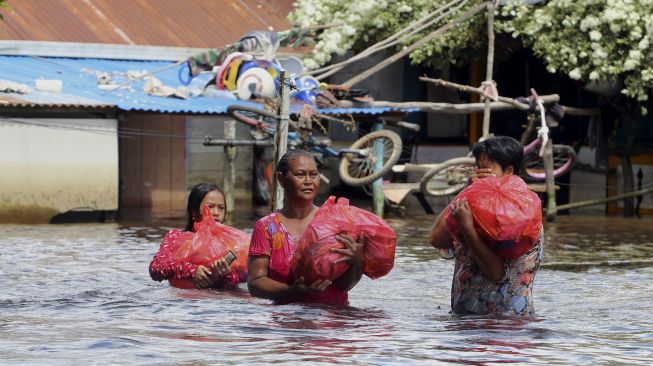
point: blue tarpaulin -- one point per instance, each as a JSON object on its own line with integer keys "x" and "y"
{"x": 79, "y": 78}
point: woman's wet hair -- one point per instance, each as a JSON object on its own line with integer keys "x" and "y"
{"x": 284, "y": 163}
{"x": 195, "y": 197}
{"x": 504, "y": 150}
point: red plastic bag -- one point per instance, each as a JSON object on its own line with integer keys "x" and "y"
{"x": 313, "y": 259}
{"x": 507, "y": 215}
{"x": 212, "y": 240}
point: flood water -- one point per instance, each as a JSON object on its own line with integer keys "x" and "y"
{"x": 82, "y": 294}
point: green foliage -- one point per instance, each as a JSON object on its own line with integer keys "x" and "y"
{"x": 3, "y": 4}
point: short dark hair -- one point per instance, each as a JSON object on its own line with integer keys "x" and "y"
{"x": 284, "y": 163}
{"x": 504, "y": 150}
{"x": 195, "y": 197}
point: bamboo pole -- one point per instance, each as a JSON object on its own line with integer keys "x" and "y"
{"x": 281, "y": 137}
{"x": 229, "y": 180}
{"x": 599, "y": 201}
{"x": 383, "y": 64}
{"x": 489, "y": 67}
{"x": 548, "y": 99}
{"x": 453, "y": 108}
{"x": 413, "y": 28}
{"x": 377, "y": 191}
{"x": 210, "y": 141}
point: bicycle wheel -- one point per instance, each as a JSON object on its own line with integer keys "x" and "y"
{"x": 447, "y": 178}
{"x": 564, "y": 158}
{"x": 357, "y": 163}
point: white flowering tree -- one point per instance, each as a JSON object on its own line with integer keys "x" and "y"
{"x": 589, "y": 40}
{"x": 364, "y": 22}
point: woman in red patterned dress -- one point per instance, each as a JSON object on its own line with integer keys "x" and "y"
{"x": 186, "y": 274}
{"x": 276, "y": 237}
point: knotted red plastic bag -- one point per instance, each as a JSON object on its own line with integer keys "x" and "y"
{"x": 212, "y": 240}
{"x": 507, "y": 215}
{"x": 313, "y": 258}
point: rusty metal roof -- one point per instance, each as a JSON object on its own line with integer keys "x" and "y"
{"x": 187, "y": 23}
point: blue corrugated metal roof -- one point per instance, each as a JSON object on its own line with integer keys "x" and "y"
{"x": 80, "y": 86}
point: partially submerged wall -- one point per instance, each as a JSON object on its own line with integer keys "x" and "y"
{"x": 50, "y": 166}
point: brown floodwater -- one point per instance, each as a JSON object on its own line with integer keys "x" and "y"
{"x": 82, "y": 293}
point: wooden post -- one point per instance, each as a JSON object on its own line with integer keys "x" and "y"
{"x": 229, "y": 180}
{"x": 489, "y": 66}
{"x": 281, "y": 137}
{"x": 551, "y": 210}
{"x": 475, "y": 125}
{"x": 629, "y": 185}
{"x": 377, "y": 190}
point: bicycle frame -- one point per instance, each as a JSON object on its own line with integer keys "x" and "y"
{"x": 541, "y": 142}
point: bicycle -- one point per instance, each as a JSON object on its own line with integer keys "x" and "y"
{"x": 452, "y": 176}
{"x": 564, "y": 156}
{"x": 357, "y": 163}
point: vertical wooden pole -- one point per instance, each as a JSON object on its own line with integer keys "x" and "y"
{"x": 475, "y": 123}
{"x": 489, "y": 66}
{"x": 551, "y": 209}
{"x": 281, "y": 137}
{"x": 377, "y": 191}
{"x": 629, "y": 185}
{"x": 229, "y": 180}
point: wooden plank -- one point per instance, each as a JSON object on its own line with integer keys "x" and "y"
{"x": 396, "y": 192}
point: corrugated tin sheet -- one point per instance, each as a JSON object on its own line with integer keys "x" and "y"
{"x": 80, "y": 87}
{"x": 182, "y": 23}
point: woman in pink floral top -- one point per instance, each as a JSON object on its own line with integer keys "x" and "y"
{"x": 276, "y": 236}
{"x": 484, "y": 282}
{"x": 186, "y": 274}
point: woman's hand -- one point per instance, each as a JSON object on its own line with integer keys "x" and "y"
{"x": 202, "y": 278}
{"x": 220, "y": 267}
{"x": 300, "y": 288}
{"x": 463, "y": 214}
{"x": 352, "y": 253}
{"x": 480, "y": 173}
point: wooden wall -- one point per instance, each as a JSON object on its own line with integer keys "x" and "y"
{"x": 206, "y": 163}
{"x": 152, "y": 166}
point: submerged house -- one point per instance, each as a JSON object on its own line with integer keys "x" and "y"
{"x": 79, "y": 135}
{"x": 68, "y": 147}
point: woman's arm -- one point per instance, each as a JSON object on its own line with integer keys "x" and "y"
{"x": 163, "y": 267}
{"x": 260, "y": 285}
{"x": 353, "y": 255}
{"x": 485, "y": 258}
{"x": 439, "y": 236}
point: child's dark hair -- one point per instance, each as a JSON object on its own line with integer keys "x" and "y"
{"x": 284, "y": 163}
{"x": 504, "y": 150}
{"x": 195, "y": 197}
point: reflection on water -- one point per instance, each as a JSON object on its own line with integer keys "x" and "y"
{"x": 82, "y": 292}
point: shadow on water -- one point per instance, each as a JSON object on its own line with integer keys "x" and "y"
{"x": 82, "y": 292}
